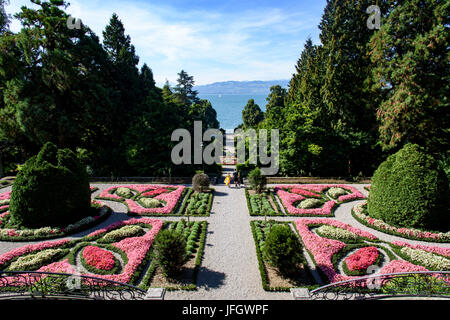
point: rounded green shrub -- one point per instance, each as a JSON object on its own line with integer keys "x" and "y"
{"x": 283, "y": 250}
{"x": 200, "y": 182}
{"x": 257, "y": 180}
{"x": 410, "y": 190}
{"x": 52, "y": 189}
{"x": 170, "y": 252}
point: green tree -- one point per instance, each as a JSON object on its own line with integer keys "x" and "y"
{"x": 350, "y": 103}
{"x": 4, "y": 18}
{"x": 51, "y": 79}
{"x": 183, "y": 91}
{"x": 273, "y": 117}
{"x": 252, "y": 114}
{"x": 411, "y": 56}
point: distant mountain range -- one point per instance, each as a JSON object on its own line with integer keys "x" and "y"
{"x": 240, "y": 87}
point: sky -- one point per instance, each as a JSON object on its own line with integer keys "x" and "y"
{"x": 211, "y": 40}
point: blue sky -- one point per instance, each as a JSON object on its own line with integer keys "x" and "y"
{"x": 211, "y": 40}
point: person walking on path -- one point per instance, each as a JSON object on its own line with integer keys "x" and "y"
{"x": 236, "y": 179}
{"x": 228, "y": 180}
{"x": 239, "y": 179}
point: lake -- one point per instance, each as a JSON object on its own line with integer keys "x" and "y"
{"x": 229, "y": 107}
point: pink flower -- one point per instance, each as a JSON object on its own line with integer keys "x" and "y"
{"x": 395, "y": 266}
{"x": 154, "y": 192}
{"x": 362, "y": 258}
{"x": 170, "y": 198}
{"x": 300, "y": 192}
{"x": 322, "y": 248}
{"x": 5, "y": 196}
{"x": 304, "y": 192}
{"x": 358, "y": 209}
{"x": 135, "y": 248}
{"x": 98, "y": 258}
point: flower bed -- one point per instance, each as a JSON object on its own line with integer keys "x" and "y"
{"x": 99, "y": 258}
{"x": 327, "y": 248}
{"x": 359, "y": 212}
{"x": 135, "y": 250}
{"x": 260, "y": 205}
{"x": 362, "y": 259}
{"x": 433, "y": 258}
{"x": 132, "y": 196}
{"x": 11, "y": 233}
{"x": 292, "y": 195}
{"x": 304, "y": 278}
{"x": 322, "y": 249}
{"x": 125, "y": 256}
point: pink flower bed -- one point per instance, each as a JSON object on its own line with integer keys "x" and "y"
{"x": 358, "y": 210}
{"x": 322, "y": 248}
{"x": 154, "y": 192}
{"x": 362, "y": 258}
{"x": 135, "y": 248}
{"x": 305, "y": 192}
{"x": 288, "y": 199}
{"x": 170, "y": 198}
{"x": 301, "y": 191}
{"x": 5, "y": 196}
{"x": 98, "y": 258}
{"x": 395, "y": 266}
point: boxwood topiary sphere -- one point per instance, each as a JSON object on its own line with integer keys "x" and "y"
{"x": 410, "y": 190}
{"x": 52, "y": 189}
{"x": 200, "y": 182}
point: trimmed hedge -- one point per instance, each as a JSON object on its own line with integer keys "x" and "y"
{"x": 52, "y": 189}
{"x": 282, "y": 250}
{"x": 200, "y": 182}
{"x": 410, "y": 190}
{"x": 170, "y": 252}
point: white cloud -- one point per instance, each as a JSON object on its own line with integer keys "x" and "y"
{"x": 260, "y": 44}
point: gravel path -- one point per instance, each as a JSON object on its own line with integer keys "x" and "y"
{"x": 230, "y": 267}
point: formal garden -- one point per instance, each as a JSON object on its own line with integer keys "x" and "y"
{"x": 158, "y": 236}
